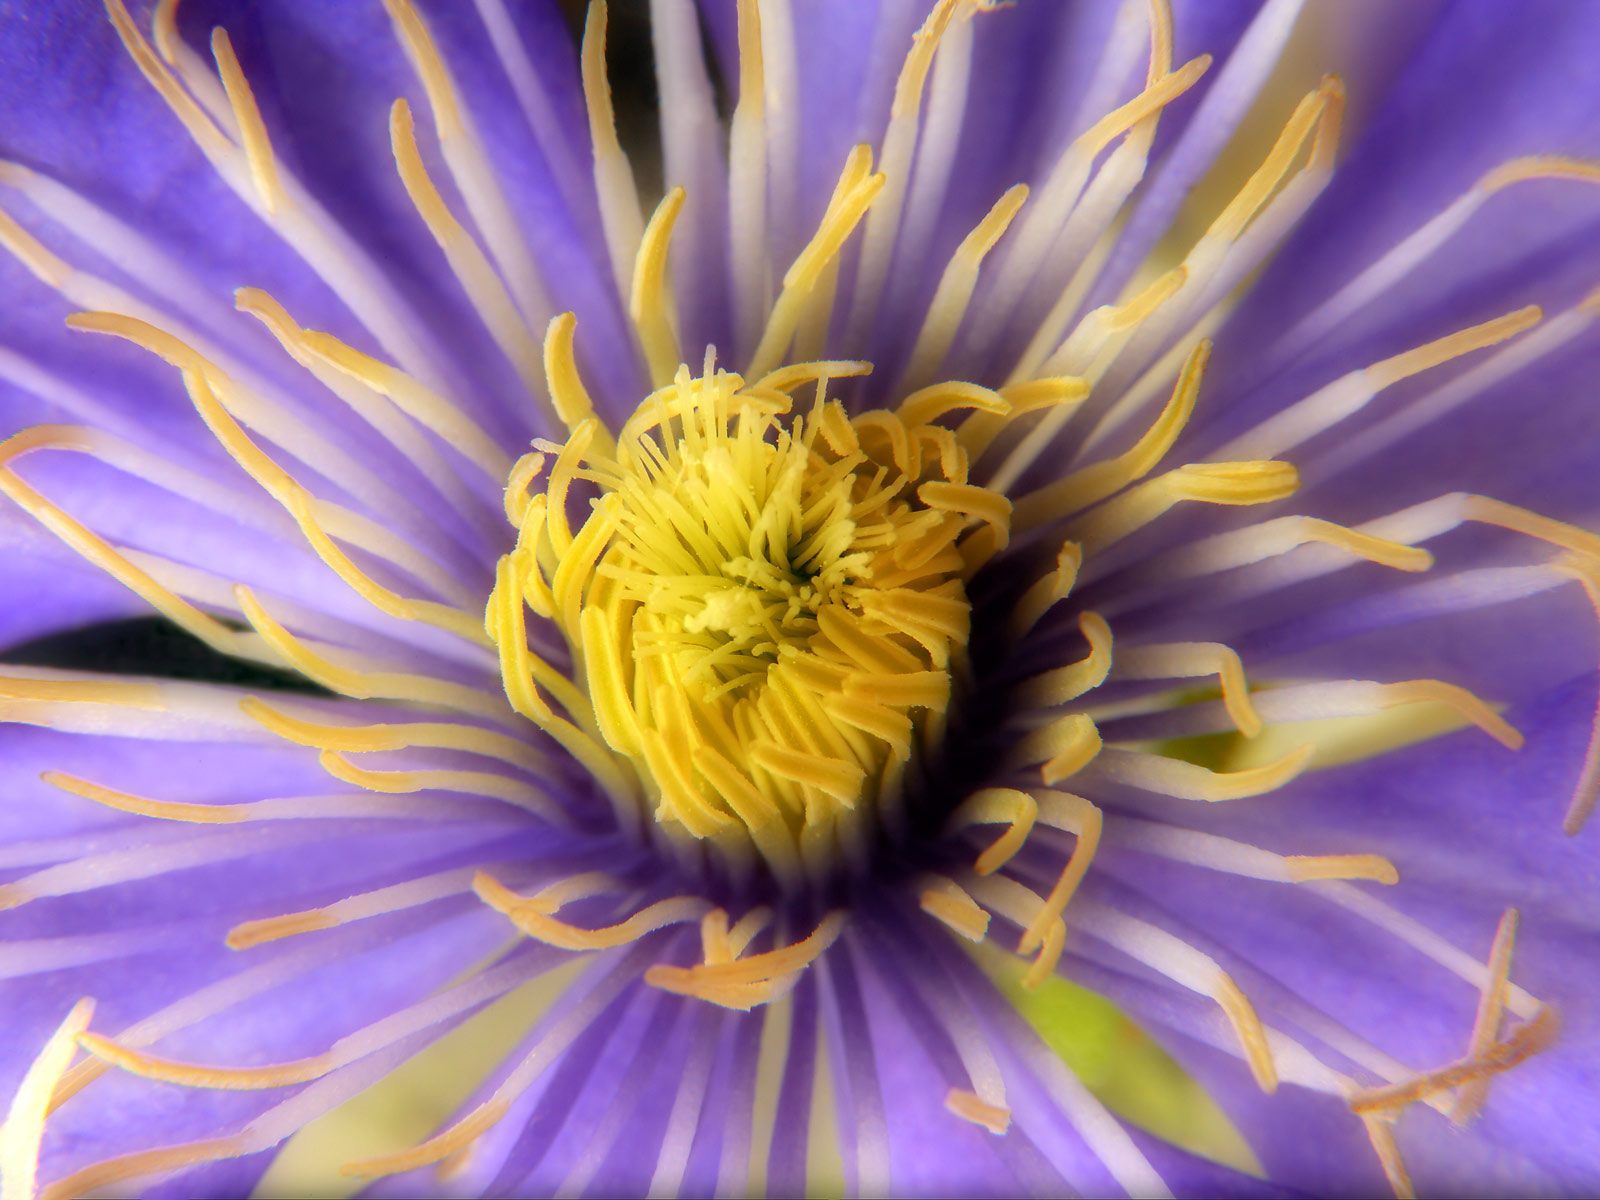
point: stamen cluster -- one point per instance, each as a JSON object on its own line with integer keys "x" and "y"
{"x": 763, "y": 609}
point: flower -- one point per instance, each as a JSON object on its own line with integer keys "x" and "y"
{"x": 723, "y": 614}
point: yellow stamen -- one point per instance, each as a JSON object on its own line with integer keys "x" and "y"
{"x": 613, "y": 175}
{"x": 23, "y": 1130}
{"x": 1093, "y": 484}
{"x": 211, "y": 141}
{"x": 1382, "y": 551}
{"x": 567, "y": 392}
{"x": 1048, "y": 591}
{"x": 164, "y": 810}
{"x": 362, "y": 685}
{"x": 252, "y": 129}
{"x": 947, "y": 901}
{"x": 1527, "y": 1040}
{"x": 1374, "y": 867}
{"x": 1190, "y": 660}
{"x": 1464, "y": 341}
{"x": 1586, "y": 792}
{"x": 103, "y": 1174}
{"x": 1414, "y": 691}
{"x": 199, "y": 1075}
{"x": 1230, "y": 483}
{"x": 458, "y": 1137}
{"x": 100, "y": 553}
{"x": 442, "y": 735}
{"x": 761, "y": 611}
{"x": 745, "y": 982}
{"x": 649, "y": 301}
{"x": 47, "y": 267}
{"x": 146, "y": 696}
{"x": 990, "y": 806}
{"x": 1065, "y": 746}
{"x": 467, "y": 259}
{"x": 1491, "y": 1008}
{"x": 1539, "y": 166}
{"x": 423, "y": 405}
{"x": 472, "y": 783}
{"x": 948, "y": 307}
{"x": 545, "y": 928}
{"x": 1247, "y": 1026}
{"x": 857, "y": 190}
{"x": 1081, "y": 818}
{"x": 966, "y": 1105}
{"x": 1189, "y": 781}
{"x": 1065, "y": 684}
{"x": 1380, "y": 1132}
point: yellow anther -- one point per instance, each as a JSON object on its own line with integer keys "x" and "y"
{"x": 948, "y": 902}
{"x": 857, "y": 190}
{"x": 1382, "y": 551}
{"x": 954, "y": 293}
{"x": 471, "y": 783}
{"x": 420, "y": 403}
{"x": 523, "y": 472}
{"x": 1261, "y": 185}
{"x": 424, "y": 54}
{"x": 1189, "y": 660}
{"x": 567, "y": 392}
{"x": 841, "y": 780}
{"x": 167, "y": 1070}
{"x": 47, "y": 267}
{"x": 1373, "y": 867}
{"x": 1464, "y": 341}
{"x": 1048, "y": 591}
{"x": 1010, "y": 806}
{"x": 714, "y": 944}
{"x": 1152, "y": 100}
{"x": 360, "y": 684}
{"x": 649, "y": 301}
{"x": 146, "y": 696}
{"x": 1044, "y": 964}
{"x": 252, "y": 129}
{"x": 1380, "y": 1132}
{"x": 1523, "y": 1043}
{"x": 1065, "y": 746}
{"x": 1415, "y": 691}
{"x": 163, "y": 810}
{"x": 1235, "y": 483}
{"x": 755, "y": 969}
{"x": 1539, "y": 166}
{"x": 1094, "y": 483}
{"x": 436, "y": 1149}
{"x": 995, "y": 1118}
{"x": 544, "y": 928}
{"x": 788, "y": 378}
{"x": 1491, "y": 1009}
{"x": 1247, "y": 1027}
{"x": 1067, "y": 683}
{"x": 23, "y": 1131}
{"x": 928, "y": 404}
{"x": 1079, "y": 817}
{"x": 100, "y": 553}
{"x": 206, "y": 135}
{"x": 248, "y": 934}
{"x": 1187, "y": 781}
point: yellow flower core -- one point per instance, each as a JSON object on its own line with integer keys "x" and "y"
{"x": 763, "y": 604}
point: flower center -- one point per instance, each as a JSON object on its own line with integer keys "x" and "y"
{"x": 762, "y": 604}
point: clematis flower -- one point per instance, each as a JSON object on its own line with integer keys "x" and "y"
{"x": 1023, "y": 501}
